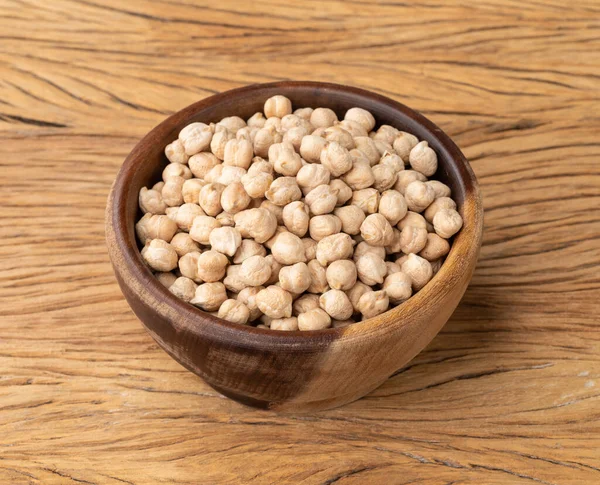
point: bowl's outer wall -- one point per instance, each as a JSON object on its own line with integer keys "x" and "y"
{"x": 291, "y": 371}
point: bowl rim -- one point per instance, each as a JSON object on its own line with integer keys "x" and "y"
{"x": 465, "y": 246}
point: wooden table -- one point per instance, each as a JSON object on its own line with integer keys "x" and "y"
{"x": 509, "y": 391}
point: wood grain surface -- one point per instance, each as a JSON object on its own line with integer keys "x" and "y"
{"x": 508, "y": 392}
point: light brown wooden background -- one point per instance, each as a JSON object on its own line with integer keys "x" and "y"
{"x": 509, "y": 392}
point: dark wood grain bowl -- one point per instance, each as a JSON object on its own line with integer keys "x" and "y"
{"x": 291, "y": 371}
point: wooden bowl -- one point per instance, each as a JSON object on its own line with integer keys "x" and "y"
{"x": 291, "y": 371}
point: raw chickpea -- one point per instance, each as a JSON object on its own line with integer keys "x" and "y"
{"x": 304, "y": 113}
{"x": 168, "y": 278}
{"x": 321, "y": 200}
{"x": 247, "y": 133}
{"x": 260, "y": 165}
{"x": 265, "y": 137}
{"x": 376, "y": 230}
{"x": 210, "y": 296}
{"x": 248, "y": 248}
{"x": 447, "y": 223}
{"x": 210, "y": 198}
{"x": 234, "y": 198}
{"x": 352, "y": 217}
{"x": 312, "y": 175}
{"x": 291, "y": 121}
{"x": 265, "y": 322}
{"x": 295, "y": 136}
{"x": 323, "y": 226}
{"x": 344, "y": 193}
{"x": 232, "y": 280}
{"x": 413, "y": 239}
{"x": 396, "y": 245}
{"x": 158, "y": 186}
{"x": 354, "y": 294}
{"x": 386, "y": 133}
{"x": 418, "y": 269}
{"x": 334, "y": 247}
{"x": 175, "y": 152}
{"x": 255, "y": 271}
{"x": 296, "y": 218}
{"x": 295, "y": 278}
{"x": 318, "y": 277}
{"x": 305, "y": 303}
{"x": 284, "y": 158}
{"x": 230, "y": 175}
{"x": 151, "y": 201}
{"x": 336, "y": 304}
{"x": 275, "y": 302}
{"x": 234, "y": 311}
{"x": 354, "y": 128}
{"x": 392, "y": 206}
{"x": 436, "y": 206}
{"x": 412, "y": 219}
{"x": 275, "y": 122}
{"x": 201, "y": 163}
{"x": 393, "y": 161}
{"x": 392, "y": 268}
{"x": 371, "y": 269}
{"x": 185, "y": 215}
{"x": 248, "y": 297}
{"x": 366, "y": 199}
{"x": 284, "y": 324}
{"x": 362, "y": 117}
{"x": 219, "y": 141}
{"x": 226, "y": 240}
{"x": 160, "y": 255}
{"x": 311, "y": 148}
{"x": 323, "y": 118}
{"x": 338, "y": 134}
{"x": 277, "y": 106}
{"x": 367, "y": 146}
{"x": 275, "y": 269}
{"x": 341, "y": 274}
{"x": 201, "y": 228}
{"x": 385, "y": 177}
{"x": 360, "y": 176}
{"x": 342, "y": 323}
{"x": 232, "y": 123}
{"x": 310, "y": 248}
{"x": 358, "y": 157}
{"x": 288, "y": 249}
{"x": 214, "y": 173}
{"x": 364, "y": 247}
{"x": 257, "y": 120}
{"x": 405, "y": 178}
{"x": 172, "y": 191}
{"x": 190, "y": 191}
{"x": 423, "y": 159}
{"x": 283, "y": 190}
{"x": 212, "y": 266}
{"x": 373, "y": 303}
{"x": 440, "y": 189}
{"x": 226, "y": 219}
{"x": 183, "y": 288}
{"x": 404, "y": 143}
{"x": 315, "y": 319}
{"x": 238, "y": 153}
{"x": 184, "y": 244}
{"x": 258, "y": 224}
{"x": 400, "y": 261}
{"x": 418, "y": 196}
{"x": 435, "y": 248}
{"x": 257, "y": 184}
{"x": 383, "y": 148}
{"x": 274, "y": 209}
{"x": 153, "y": 226}
{"x": 195, "y": 137}
{"x": 188, "y": 266}
{"x": 269, "y": 244}
{"x": 336, "y": 158}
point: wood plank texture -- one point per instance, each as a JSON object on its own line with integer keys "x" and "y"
{"x": 508, "y": 392}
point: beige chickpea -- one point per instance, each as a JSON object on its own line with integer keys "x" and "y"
{"x": 344, "y": 193}
{"x": 214, "y": 173}
{"x": 312, "y": 147}
{"x": 258, "y": 224}
{"x": 312, "y": 175}
{"x": 392, "y": 206}
{"x": 257, "y": 184}
{"x": 418, "y": 196}
{"x": 366, "y": 199}
{"x": 362, "y": 117}
{"x": 265, "y": 321}
{"x": 238, "y": 153}
{"x": 158, "y": 186}
{"x": 371, "y": 269}
{"x": 418, "y": 269}
{"x": 338, "y": 134}
{"x": 385, "y": 177}
{"x": 277, "y": 106}
{"x": 274, "y": 209}
{"x": 183, "y": 288}
{"x": 295, "y": 278}
{"x": 354, "y": 294}
{"x": 358, "y": 156}
{"x": 172, "y": 191}
{"x": 209, "y": 296}
{"x": 275, "y": 269}
{"x": 354, "y": 128}
{"x": 186, "y": 214}
{"x": 219, "y": 141}
{"x": 368, "y": 147}
{"x": 447, "y": 223}
{"x": 437, "y": 205}
{"x": 396, "y": 245}
{"x": 151, "y": 201}
{"x": 234, "y": 311}
{"x": 341, "y": 274}
{"x": 440, "y": 189}
{"x": 360, "y": 176}
{"x": 288, "y": 249}
{"x": 167, "y": 279}
{"x": 310, "y": 248}
{"x": 284, "y": 158}
{"x": 230, "y": 175}
{"x": 392, "y": 268}
{"x": 321, "y": 200}
{"x": 283, "y": 190}
{"x": 334, "y": 247}
{"x": 373, "y": 303}
{"x": 232, "y": 280}
{"x": 190, "y": 190}
{"x": 248, "y": 297}
{"x": 305, "y": 303}
{"x": 265, "y": 137}
{"x": 154, "y": 226}
{"x": 413, "y": 239}
{"x": 336, "y": 304}
{"x": 201, "y": 228}
{"x": 315, "y": 319}
{"x": 226, "y": 219}
{"x": 255, "y": 271}
{"x": 393, "y": 161}
{"x": 184, "y": 244}
{"x": 376, "y": 230}
{"x": 352, "y": 218}
{"x": 195, "y": 137}
{"x": 364, "y": 247}
{"x": 435, "y": 248}
{"x": 175, "y": 152}
{"x": 201, "y": 163}
{"x": 212, "y": 266}
{"x": 210, "y": 198}
{"x": 383, "y": 148}
{"x": 234, "y": 198}
{"x": 275, "y": 302}
{"x": 318, "y": 277}
{"x": 248, "y": 248}
{"x": 296, "y": 218}
{"x": 232, "y": 123}
{"x": 405, "y": 178}
{"x": 257, "y": 120}
{"x": 225, "y": 240}
{"x": 320, "y": 132}
{"x": 386, "y": 133}
{"x": 275, "y": 122}
{"x": 294, "y": 121}
{"x": 404, "y": 143}
{"x": 412, "y": 219}
{"x": 295, "y": 135}
{"x": 284, "y": 324}
{"x": 304, "y": 113}
{"x": 271, "y": 242}
{"x": 342, "y": 323}
{"x": 160, "y": 255}
{"x": 423, "y": 159}
{"x": 400, "y": 260}
{"x": 336, "y": 158}
{"x": 248, "y": 134}
{"x": 323, "y": 118}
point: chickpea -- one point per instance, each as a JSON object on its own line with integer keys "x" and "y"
{"x": 277, "y": 106}
{"x": 168, "y": 278}
{"x": 362, "y": 117}
{"x": 323, "y": 226}
{"x": 304, "y": 113}
{"x": 175, "y": 152}
{"x": 248, "y": 297}
{"x": 373, "y": 303}
{"x": 248, "y": 248}
{"x": 195, "y": 137}
{"x": 185, "y": 215}
{"x": 260, "y": 165}
{"x": 351, "y": 217}
{"x": 440, "y": 189}
{"x": 396, "y": 245}
{"x": 371, "y": 269}
{"x": 412, "y": 219}
{"x": 354, "y": 294}
{"x": 386, "y": 133}
{"x": 305, "y": 303}
{"x": 275, "y": 302}
{"x": 311, "y": 176}
{"x": 323, "y": 118}
{"x": 212, "y": 266}
{"x": 310, "y": 248}
{"x": 334, "y": 247}
{"x": 341, "y": 274}
{"x": 288, "y": 249}
{"x": 232, "y": 123}
{"x": 274, "y": 209}
{"x": 275, "y": 122}
{"x": 225, "y": 240}
{"x": 296, "y": 218}
{"x": 172, "y": 191}
{"x": 295, "y": 136}
{"x": 151, "y": 201}
{"x": 284, "y": 158}
{"x": 257, "y": 120}
{"x": 360, "y": 176}
{"x": 413, "y": 239}
{"x": 153, "y": 226}
{"x": 219, "y": 142}
{"x": 283, "y": 190}
{"x": 321, "y": 200}
{"x": 265, "y": 137}
{"x": 226, "y": 219}
{"x": 295, "y": 278}
{"x": 201, "y": 228}
{"x": 392, "y": 268}
{"x": 344, "y": 193}
{"x": 336, "y": 304}
{"x": 364, "y": 247}
{"x": 447, "y": 223}
{"x": 405, "y": 178}
{"x": 418, "y": 196}
{"x": 342, "y": 323}
{"x": 183, "y": 288}
{"x": 230, "y": 175}
{"x": 210, "y": 296}
{"x": 160, "y": 255}
{"x": 234, "y": 198}
{"x": 318, "y": 277}
{"x": 258, "y": 224}
{"x": 400, "y": 260}
{"x": 385, "y": 177}
{"x": 338, "y": 134}
{"x": 284, "y": 324}
{"x": 158, "y": 186}
{"x": 418, "y": 269}
{"x": 275, "y": 269}
{"x": 214, "y": 174}
{"x": 291, "y": 121}
{"x": 280, "y": 229}
{"x": 393, "y": 161}
{"x": 188, "y": 266}
{"x": 238, "y": 153}
{"x": 336, "y": 158}
{"x": 354, "y": 128}
{"x": 383, "y": 148}
{"x": 255, "y": 271}
{"x": 367, "y": 200}
{"x": 436, "y": 206}
{"x": 435, "y": 248}
{"x": 404, "y": 143}
{"x": 234, "y": 311}
{"x": 201, "y": 163}
{"x": 368, "y": 147}
{"x": 392, "y": 206}
{"x": 376, "y": 230}
{"x": 184, "y": 244}
{"x": 312, "y": 147}
{"x": 423, "y": 159}
{"x": 315, "y": 319}
{"x": 210, "y": 198}
{"x": 256, "y": 185}
{"x": 190, "y": 190}
{"x": 436, "y": 265}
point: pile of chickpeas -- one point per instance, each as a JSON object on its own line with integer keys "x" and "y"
{"x": 295, "y": 220}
